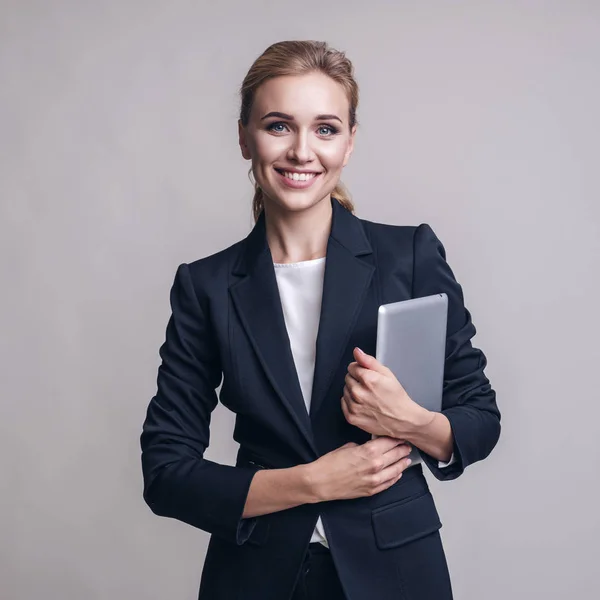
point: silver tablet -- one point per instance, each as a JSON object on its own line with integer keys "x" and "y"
{"x": 411, "y": 342}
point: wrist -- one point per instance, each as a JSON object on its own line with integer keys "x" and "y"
{"x": 420, "y": 420}
{"x": 310, "y": 483}
{"x": 433, "y": 435}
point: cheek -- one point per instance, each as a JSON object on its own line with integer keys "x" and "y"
{"x": 332, "y": 156}
{"x": 267, "y": 149}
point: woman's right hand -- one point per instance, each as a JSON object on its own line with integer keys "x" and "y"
{"x": 354, "y": 471}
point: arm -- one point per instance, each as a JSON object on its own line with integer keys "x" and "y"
{"x": 273, "y": 490}
{"x": 432, "y": 434}
{"x": 351, "y": 471}
{"x": 178, "y": 481}
{"x": 469, "y": 402}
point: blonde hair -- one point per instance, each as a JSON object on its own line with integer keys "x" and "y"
{"x": 299, "y": 58}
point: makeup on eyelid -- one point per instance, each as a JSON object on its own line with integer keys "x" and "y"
{"x": 298, "y": 140}
{"x": 334, "y": 130}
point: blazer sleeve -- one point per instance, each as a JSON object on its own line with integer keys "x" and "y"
{"x": 178, "y": 481}
{"x": 468, "y": 401}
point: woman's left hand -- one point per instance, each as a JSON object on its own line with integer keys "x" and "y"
{"x": 375, "y": 401}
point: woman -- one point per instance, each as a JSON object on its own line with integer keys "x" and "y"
{"x": 286, "y": 318}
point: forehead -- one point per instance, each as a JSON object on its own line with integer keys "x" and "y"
{"x": 302, "y": 96}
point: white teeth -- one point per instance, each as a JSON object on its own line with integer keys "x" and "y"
{"x": 299, "y": 176}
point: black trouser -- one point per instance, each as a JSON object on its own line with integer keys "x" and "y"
{"x": 318, "y": 579}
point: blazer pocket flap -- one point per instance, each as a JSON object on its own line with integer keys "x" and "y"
{"x": 402, "y": 522}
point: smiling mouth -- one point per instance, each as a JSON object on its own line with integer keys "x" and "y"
{"x": 297, "y": 176}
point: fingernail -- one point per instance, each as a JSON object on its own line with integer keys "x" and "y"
{"x": 359, "y": 350}
{"x": 408, "y": 461}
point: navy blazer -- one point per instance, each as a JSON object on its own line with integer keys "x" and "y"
{"x": 227, "y": 326}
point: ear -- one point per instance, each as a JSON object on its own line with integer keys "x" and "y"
{"x": 350, "y": 146}
{"x": 243, "y": 141}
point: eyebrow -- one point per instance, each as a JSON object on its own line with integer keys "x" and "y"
{"x": 281, "y": 115}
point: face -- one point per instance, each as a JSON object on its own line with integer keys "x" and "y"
{"x": 298, "y": 139}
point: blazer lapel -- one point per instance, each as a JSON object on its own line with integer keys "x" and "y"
{"x": 347, "y": 279}
{"x": 257, "y": 301}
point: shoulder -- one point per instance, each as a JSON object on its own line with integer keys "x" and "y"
{"x": 383, "y": 232}
{"x": 209, "y": 274}
{"x": 399, "y": 239}
{"x": 217, "y": 263}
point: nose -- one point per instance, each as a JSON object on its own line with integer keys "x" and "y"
{"x": 300, "y": 149}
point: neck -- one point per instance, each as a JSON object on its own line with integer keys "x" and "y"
{"x": 299, "y": 236}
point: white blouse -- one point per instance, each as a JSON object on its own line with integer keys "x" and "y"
{"x": 301, "y": 289}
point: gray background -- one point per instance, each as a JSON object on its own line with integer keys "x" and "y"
{"x": 119, "y": 160}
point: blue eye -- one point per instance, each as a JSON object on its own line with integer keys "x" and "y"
{"x": 322, "y": 130}
{"x": 331, "y": 128}
{"x": 272, "y": 126}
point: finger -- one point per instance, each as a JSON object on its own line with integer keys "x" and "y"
{"x": 347, "y": 396}
{"x": 350, "y": 379}
{"x": 357, "y": 372}
{"x": 392, "y": 471}
{"x": 404, "y": 445}
{"x": 387, "y": 484}
{"x": 383, "y": 444}
{"x": 347, "y": 407}
{"x": 395, "y": 454}
{"x": 344, "y": 407}
{"x": 368, "y": 361}
{"x": 354, "y": 368}
{"x": 353, "y": 387}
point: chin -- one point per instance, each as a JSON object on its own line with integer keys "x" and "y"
{"x": 298, "y": 200}
{"x": 295, "y": 202}
{"x": 301, "y": 204}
